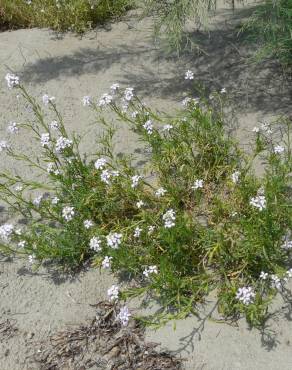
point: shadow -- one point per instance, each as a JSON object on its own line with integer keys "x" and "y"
{"x": 225, "y": 61}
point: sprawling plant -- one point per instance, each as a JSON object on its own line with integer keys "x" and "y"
{"x": 195, "y": 219}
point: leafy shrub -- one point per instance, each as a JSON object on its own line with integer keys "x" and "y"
{"x": 60, "y": 15}
{"x": 196, "y": 219}
{"x": 270, "y": 26}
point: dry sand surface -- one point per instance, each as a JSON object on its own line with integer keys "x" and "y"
{"x": 70, "y": 67}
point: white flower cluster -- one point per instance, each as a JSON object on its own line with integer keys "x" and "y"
{"x": 287, "y": 245}
{"x": 62, "y": 143}
{"x": 114, "y": 240}
{"x": 189, "y": 75}
{"x": 124, "y": 316}
{"x": 160, "y": 192}
{"x": 150, "y": 270}
{"x": 106, "y": 175}
{"x": 198, "y": 184}
{"x": 37, "y": 200}
{"x": 47, "y": 99}
{"x": 148, "y": 125}
{"x": 260, "y": 200}
{"x": 106, "y": 262}
{"x": 114, "y": 87}
{"x": 113, "y": 293}
{"x": 94, "y": 244}
{"x": 245, "y": 295}
{"x": 51, "y": 168}
{"x": 55, "y": 200}
{"x": 128, "y": 94}
{"x": 278, "y": 149}
{"x": 5, "y": 231}
{"x": 86, "y": 100}
{"x": 21, "y": 244}
{"x": 235, "y": 177}
{"x": 68, "y": 213}
{"x": 169, "y": 218}
{"x": 88, "y": 224}
{"x": 151, "y": 229}
{"x": 276, "y": 282}
{"x": 31, "y": 258}
{"x": 137, "y": 232}
{"x": 167, "y": 127}
{"x": 105, "y": 100}
{"x": 100, "y": 163}
{"x": 45, "y": 139}
{"x": 54, "y": 125}
{"x": 13, "y": 128}
{"x": 264, "y": 275}
{"x": 135, "y": 180}
{"x": 12, "y": 80}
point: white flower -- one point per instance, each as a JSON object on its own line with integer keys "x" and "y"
{"x": 62, "y": 143}
{"x": 94, "y": 244}
{"x": 137, "y": 232}
{"x": 150, "y": 270}
{"x": 88, "y": 224}
{"x": 86, "y": 100}
{"x": 186, "y": 101}
{"x": 13, "y": 128}
{"x": 125, "y": 106}
{"x": 68, "y": 213}
{"x": 265, "y": 127}
{"x": 5, "y": 231}
{"x": 4, "y": 145}
{"x": 233, "y": 214}
{"x": 287, "y": 245}
{"x": 258, "y": 202}
{"x": 106, "y": 175}
{"x": 198, "y": 184}
{"x": 124, "y": 316}
{"x": 51, "y": 168}
{"x": 31, "y": 258}
{"x": 278, "y": 149}
{"x": 105, "y": 100}
{"x": 160, "y": 192}
{"x": 100, "y": 163}
{"x": 167, "y": 128}
{"x": 189, "y": 75}
{"x": 223, "y": 90}
{"x": 245, "y": 295}
{"x": 47, "y": 99}
{"x": 114, "y": 87}
{"x": 18, "y": 231}
{"x": 106, "y": 262}
{"x": 55, "y": 200}
{"x": 128, "y": 94}
{"x": 140, "y": 204}
{"x": 135, "y": 181}
{"x": 54, "y": 125}
{"x": 113, "y": 293}
{"x": 45, "y": 139}
{"x": 256, "y": 129}
{"x": 235, "y": 176}
{"x": 21, "y": 244}
{"x": 148, "y": 125}
{"x": 114, "y": 240}
{"x": 169, "y": 218}
{"x": 134, "y": 114}
{"x": 37, "y": 201}
{"x": 264, "y": 275}
{"x": 12, "y": 80}
{"x": 18, "y": 188}
{"x": 276, "y": 282}
{"x": 151, "y": 229}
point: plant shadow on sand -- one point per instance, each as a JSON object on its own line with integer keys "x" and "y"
{"x": 225, "y": 60}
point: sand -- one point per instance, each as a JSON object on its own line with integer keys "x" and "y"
{"x": 69, "y": 67}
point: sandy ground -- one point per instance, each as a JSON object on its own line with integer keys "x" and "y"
{"x": 70, "y": 67}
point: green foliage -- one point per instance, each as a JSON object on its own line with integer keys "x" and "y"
{"x": 60, "y": 15}
{"x": 271, "y": 27}
{"x": 217, "y": 235}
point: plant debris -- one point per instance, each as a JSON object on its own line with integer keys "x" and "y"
{"x": 7, "y": 329}
{"x": 103, "y": 344}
